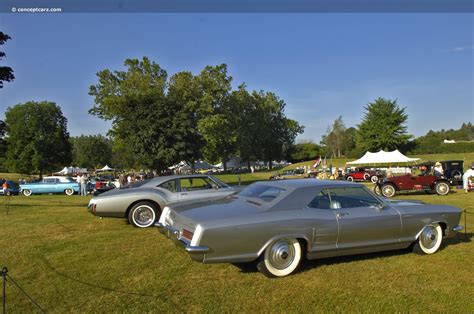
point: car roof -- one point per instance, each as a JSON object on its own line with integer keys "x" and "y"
{"x": 158, "y": 180}
{"x": 304, "y": 183}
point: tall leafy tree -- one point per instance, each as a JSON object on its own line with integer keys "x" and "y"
{"x": 38, "y": 141}
{"x": 91, "y": 151}
{"x": 3, "y": 145}
{"x": 142, "y": 118}
{"x": 304, "y": 150}
{"x": 383, "y": 126}
{"x": 6, "y": 73}
{"x": 335, "y": 137}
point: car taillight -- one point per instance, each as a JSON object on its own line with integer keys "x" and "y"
{"x": 188, "y": 234}
{"x": 94, "y": 208}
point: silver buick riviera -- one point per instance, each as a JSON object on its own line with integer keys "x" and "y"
{"x": 278, "y": 223}
{"x": 142, "y": 203}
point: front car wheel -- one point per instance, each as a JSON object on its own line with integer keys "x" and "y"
{"x": 281, "y": 258}
{"x": 69, "y": 192}
{"x": 429, "y": 240}
{"x": 388, "y": 190}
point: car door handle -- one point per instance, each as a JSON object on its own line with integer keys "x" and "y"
{"x": 340, "y": 215}
{"x": 184, "y": 193}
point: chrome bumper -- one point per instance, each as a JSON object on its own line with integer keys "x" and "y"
{"x": 196, "y": 252}
{"x": 458, "y": 228}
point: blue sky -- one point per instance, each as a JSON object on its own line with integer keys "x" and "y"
{"x": 322, "y": 65}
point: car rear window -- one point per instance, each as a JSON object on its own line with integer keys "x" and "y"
{"x": 263, "y": 192}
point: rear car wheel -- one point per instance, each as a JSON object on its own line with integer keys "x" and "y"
{"x": 143, "y": 214}
{"x": 387, "y": 190}
{"x": 429, "y": 240}
{"x": 350, "y": 178}
{"x": 442, "y": 188}
{"x": 27, "y": 192}
{"x": 281, "y": 258}
{"x": 69, "y": 192}
{"x": 366, "y": 176}
{"x": 374, "y": 179}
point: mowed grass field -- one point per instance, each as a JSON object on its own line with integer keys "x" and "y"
{"x": 71, "y": 261}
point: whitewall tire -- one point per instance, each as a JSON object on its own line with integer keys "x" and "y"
{"x": 27, "y": 192}
{"x": 143, "y": 215}
{"x": 429, "y": 240}
{"x": 281, "y": 258}
{"x": 69, "y": 192}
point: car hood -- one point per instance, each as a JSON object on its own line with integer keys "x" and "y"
{"x": 230, "y": 206}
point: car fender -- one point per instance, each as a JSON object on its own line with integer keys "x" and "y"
{"x": 290, "y": 235}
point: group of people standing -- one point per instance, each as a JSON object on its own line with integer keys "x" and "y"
{"x": 82, "y": 180}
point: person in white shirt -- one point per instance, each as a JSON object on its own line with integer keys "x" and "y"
{"x": 438, "y": 169}
{"x": 466, "y": 176}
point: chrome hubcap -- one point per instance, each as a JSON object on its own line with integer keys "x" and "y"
{"x": 442, "y": 188}
{"x": 143, "y": 215}
{"x": 282, "y": 254}
{"x": 388, "y": 190}
{"x": 429, "y": 237}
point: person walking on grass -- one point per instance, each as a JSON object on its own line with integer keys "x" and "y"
{"x": 78, "y": 180}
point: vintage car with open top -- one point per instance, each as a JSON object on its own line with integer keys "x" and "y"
{"x": 279, "y": 223}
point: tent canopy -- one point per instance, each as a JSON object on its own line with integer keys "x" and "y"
{"x": 70, "y": 170}
{"x": 106, "y": 168}
{"x": 384, "y": 158}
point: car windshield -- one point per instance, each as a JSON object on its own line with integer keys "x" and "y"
{"x": 263, "y": 192}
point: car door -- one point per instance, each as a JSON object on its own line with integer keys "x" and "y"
{"x": 172, "y": 187}
{"x": 193, "y": 188}
{"x": 323, "y": 223}
{"x": 363, "y": 220}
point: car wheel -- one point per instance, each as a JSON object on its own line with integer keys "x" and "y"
{"x": 387, "y": 190}
{"x": 143, "y": 214}
{"x": 377, "y": 190}
{"x": 442, "y": 188}
{"x": 374, "y": 179}
{"x": 69, "y": 192}
{"x": 456, "y": 175}
{"x": 8, "y": 193}
{"x": 281, "y": 258}
{"x": 350, "y": 178}
{"x": 366, "y": 176}
{"x": 27, "y": 192}
{"x": 429, "y": 240}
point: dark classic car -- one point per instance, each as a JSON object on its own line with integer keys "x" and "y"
{"x": 142, "y": 203}
{"x": 13, "y": 188}
{"x": 279, "y": 223}
{"x": 453, "y": 169}
{"x": 388, "y": 187}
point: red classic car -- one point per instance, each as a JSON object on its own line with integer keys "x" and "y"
{"x": 361, "y": 174}
{"x": 388, "y": 187}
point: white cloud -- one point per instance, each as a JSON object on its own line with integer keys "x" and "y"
{"x": 460, "y": 49}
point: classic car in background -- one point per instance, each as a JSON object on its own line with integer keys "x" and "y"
{"x": 361, "y": 174}
{"x": 453, "y": 169}
{"x": 278, "y": 223}
{"x": 51, "y": 185}
{"x": 13, "y": 188}
{"x": 388, "y": 187}
{"x": 142, "y": 203}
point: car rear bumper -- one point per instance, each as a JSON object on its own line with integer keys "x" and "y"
{"x": 195, "y": 252}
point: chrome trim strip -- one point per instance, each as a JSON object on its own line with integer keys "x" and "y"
{"x": 174, "y": 235}
{"x": 458, "y": 228}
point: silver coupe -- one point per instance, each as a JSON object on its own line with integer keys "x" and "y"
{"x": 141, "y": 204}
{"x": 279, "y": 223}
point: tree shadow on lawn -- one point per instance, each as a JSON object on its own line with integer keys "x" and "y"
{"x": 307, "y": 265}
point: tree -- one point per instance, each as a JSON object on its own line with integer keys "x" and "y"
{"x": 3, "y": 145}
{"x": 135, "y": 101}
{"x": 91, "y": 151}
{"x": 334, "y": 139}
{"x": 37, "y": 140}
{"x": 383, "y": 126}
{"x": 305, "y": 150}
{"x": 6, "y": 73}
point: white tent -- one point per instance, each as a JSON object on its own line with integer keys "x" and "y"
{"x": 106, "y": 168}
{"x": 384, "y": 158}
{"x": 70, "y": 170}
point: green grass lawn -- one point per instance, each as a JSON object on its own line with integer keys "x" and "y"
{"x": 71, "y": 261}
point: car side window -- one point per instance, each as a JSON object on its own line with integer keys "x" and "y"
{"x": 194, "y": 184}
{"x": 169, "y": 185}
{"x": 321, "y": 201}
{"x": 351, "y": 197}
